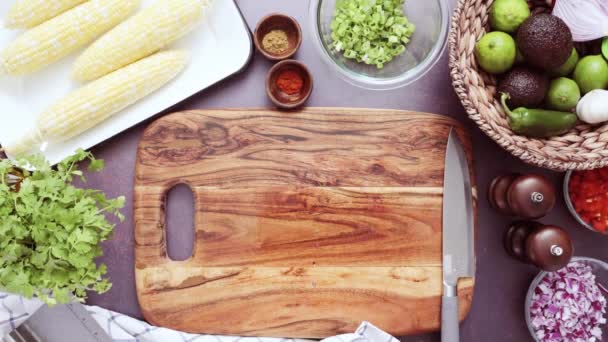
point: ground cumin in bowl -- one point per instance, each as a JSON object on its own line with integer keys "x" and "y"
{"x": 278, "y": 37}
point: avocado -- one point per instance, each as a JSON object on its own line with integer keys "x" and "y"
{"x": 545, "y": 41}
{"x": 526, "y": 87}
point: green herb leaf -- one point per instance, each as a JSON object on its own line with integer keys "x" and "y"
{"x": 51, "y": 230}
{"x": 96, "y": 165}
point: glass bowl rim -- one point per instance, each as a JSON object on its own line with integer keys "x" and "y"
{"x": 373, "y": 83}
{"x": 537, "y": 281}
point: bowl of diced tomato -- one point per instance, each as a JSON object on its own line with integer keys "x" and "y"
{"x": 586, "y": 196}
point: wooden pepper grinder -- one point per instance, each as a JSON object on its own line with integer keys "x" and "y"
{"x": 526, "y": 196}
{"x": 547, "y": 247}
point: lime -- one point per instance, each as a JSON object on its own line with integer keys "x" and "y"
{"x": 591, "y": 73}
{"x": 495, "y": 52}
{"x": 605, "y": 47}
{"x": 563, "y": 94}
{"x": 567, "y": 68}
{"x": 507, "y": 15}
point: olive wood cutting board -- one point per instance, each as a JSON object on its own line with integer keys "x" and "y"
{"x": 306, "y": 223}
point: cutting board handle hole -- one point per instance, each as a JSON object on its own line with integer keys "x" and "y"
{"x": 180, "y": 222}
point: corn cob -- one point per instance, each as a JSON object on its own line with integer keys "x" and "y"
{"x": 143, "y": 34}
{"x": 26, "y": 14}
{"x": 90, "y": 105}
{"x": 58, "y": 37}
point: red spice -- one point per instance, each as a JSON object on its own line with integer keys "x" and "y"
{"x": 290, "y": 82}
{"x": 589, "y": 195}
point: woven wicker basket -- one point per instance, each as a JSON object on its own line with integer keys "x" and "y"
{"x": 584, "y": 147}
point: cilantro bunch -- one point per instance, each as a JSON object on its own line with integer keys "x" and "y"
{"x": 371, "y": 31}
{"x": 50, "y": 230}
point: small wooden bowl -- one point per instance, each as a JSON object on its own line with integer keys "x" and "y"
{"x": 282, "y": 22}
{"x": 282, "y": 99}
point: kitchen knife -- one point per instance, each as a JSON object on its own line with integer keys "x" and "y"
{"x": 458, "y": 234}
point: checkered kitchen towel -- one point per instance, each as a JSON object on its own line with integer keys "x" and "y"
{"x": 15, "y": 310}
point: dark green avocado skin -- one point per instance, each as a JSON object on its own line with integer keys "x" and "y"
{"x": 545, "y": 41}
{"x": 526, "y": 87}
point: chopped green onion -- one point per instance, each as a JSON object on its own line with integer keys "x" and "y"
{"x": 370, "y": 31}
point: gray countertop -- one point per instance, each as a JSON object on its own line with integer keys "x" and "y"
{"x": 498, "y": 306}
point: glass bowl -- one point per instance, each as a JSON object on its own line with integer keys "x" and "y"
{"x": 600, "y": 269}
{"x": 570, "y": 205}
{"x": 428, "y": 42}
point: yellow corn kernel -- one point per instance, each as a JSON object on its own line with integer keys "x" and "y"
{"x": 26, "y": 14}
{"x": 92, "y": 104}
{"x": 62, "y": 35}
{"x": 145, "y": 33}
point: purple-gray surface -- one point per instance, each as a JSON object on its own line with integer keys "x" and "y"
{"x": 501, "y": 284}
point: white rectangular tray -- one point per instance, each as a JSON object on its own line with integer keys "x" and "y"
{"x": 220, "y": 47}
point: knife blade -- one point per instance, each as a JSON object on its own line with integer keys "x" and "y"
{"x": 458, "y": 234}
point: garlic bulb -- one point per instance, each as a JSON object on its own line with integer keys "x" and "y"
{"x": 593, "y": 107}
{"x": 587, "y": 19}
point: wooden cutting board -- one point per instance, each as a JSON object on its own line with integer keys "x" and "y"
{"x": 307, "y": 223}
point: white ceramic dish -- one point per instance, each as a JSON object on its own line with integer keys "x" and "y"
{"x": 220, "y": 47}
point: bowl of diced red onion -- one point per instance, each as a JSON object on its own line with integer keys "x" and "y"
{"x": 569, "y": 305}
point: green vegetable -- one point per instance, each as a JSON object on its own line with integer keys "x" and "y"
{"x": 605, "y": 47}
{"x": 51, "y": 229}
{"x": 568, "y": 67}
{"x": 508, "y": 15}
{"x": 370, "y": 31}
{"x": 563, "y": 94}
{"x": 538, "y": 123}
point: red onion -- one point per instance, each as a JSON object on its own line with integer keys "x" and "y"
{"x": 587, "y": 19}
{"x": 568, "y": 306}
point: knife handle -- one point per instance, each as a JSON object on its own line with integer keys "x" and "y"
{"x": 450, "y": 331}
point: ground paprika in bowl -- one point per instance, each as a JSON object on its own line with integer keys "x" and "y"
{"x": 586, "y": 196}
{"x": 289, "y": 84}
